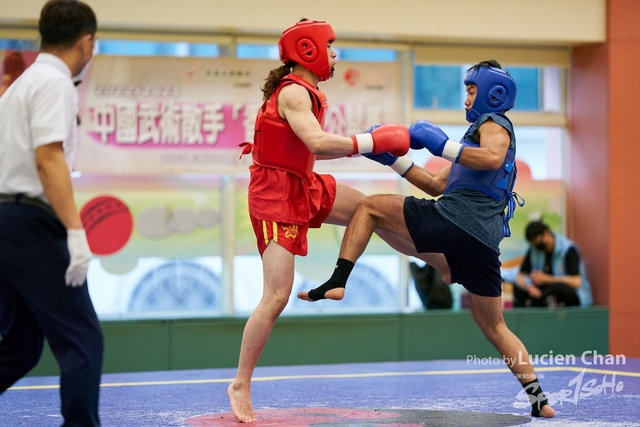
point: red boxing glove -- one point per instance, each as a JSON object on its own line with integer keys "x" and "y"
{"x": 392, "y": 139}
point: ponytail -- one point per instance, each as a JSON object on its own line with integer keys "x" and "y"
{"x": 271, "y": 82}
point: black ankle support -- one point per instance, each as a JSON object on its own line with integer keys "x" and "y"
{"x": 338, "y": 279}
{"x": 536, "y": 396}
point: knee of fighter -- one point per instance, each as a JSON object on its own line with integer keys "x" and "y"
{"x": 279, "y": 300}
{"x": 493, "y": 334}
{"x": 367, "y": 204}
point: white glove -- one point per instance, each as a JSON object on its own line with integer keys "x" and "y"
{"x": 80, "y": 255}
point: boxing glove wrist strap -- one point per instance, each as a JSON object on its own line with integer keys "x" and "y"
{"x": 402, "y": 165}
{"x": 362, "y": 143}
{"x": 452, "y": 151}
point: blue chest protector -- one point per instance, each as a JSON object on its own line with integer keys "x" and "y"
{"x": 498, "y": 183}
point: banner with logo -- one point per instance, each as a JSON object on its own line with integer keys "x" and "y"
{"x": 166, "y": 115}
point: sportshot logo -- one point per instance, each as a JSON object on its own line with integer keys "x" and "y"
{"x": 587, "y": 358}
{"x": 581, "y": 386}
{"x": 578, "y": 388}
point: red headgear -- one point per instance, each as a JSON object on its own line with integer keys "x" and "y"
{"x": 306, "y": 44}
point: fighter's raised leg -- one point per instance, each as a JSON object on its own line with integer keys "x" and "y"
{"x": 346, "y": 202}
{"x": 380, "y": 213}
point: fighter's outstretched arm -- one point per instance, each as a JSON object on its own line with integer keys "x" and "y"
{"x": 430, "y": 183}
{"x": 294, "y": 105}
{"x": 494, "y": 143}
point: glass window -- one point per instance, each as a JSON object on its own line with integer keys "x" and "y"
{"x": 158, "y": 287}
{"x": 528, "y": 84}
{"x": 14, "y": 44}
{"x": 264, "y": 51}
{"x": 257, "y": 51}
{"x": 365, "y": 55}
{"x": 204, "y": 50}
{"x": 440, "y": 87}
{"x": 151, "y": 48}
{"x": 170, "y": 262}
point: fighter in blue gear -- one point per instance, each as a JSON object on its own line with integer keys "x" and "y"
{"x": 495, "y": 93}
{"x": 467, "y": 222}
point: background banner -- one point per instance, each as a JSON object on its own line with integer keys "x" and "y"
{"x": 164, "y": 115}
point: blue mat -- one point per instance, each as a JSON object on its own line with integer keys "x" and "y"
{"x": 431, "y": 393}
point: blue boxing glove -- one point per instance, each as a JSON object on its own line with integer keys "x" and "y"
{"x": 401, "y": 165}
{"x": 425, "y": 134}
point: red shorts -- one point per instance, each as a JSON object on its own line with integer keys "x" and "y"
{"x": 293, "y": 237}
{"x": 283, "y": 207}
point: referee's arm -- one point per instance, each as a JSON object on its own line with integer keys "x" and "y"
{"x": 56, "y": 182}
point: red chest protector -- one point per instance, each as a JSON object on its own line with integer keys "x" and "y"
{"x": 275, "y": 145}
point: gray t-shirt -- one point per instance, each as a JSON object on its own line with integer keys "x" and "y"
{"x": 473, "y": 211}
{"x": 476, "y": 213}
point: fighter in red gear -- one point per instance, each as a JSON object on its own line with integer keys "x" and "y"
{"x": 286, "y": 197}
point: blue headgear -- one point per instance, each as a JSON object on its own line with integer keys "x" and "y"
{"x": 496, "y": 91}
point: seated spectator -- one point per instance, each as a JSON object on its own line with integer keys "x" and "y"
{"x": 552, "y": 273}
{"x": 431, "y": 289}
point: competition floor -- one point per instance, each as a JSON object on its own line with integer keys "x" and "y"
{"x": 404, "y": 394}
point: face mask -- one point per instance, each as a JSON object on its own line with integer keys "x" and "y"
{"x": 78, "y": 77}
{"x": 541, "y": 246}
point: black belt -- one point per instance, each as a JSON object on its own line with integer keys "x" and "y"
{"x": 22, "y": 199}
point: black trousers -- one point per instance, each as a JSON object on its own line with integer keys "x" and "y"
{"x": 36, "y": 304}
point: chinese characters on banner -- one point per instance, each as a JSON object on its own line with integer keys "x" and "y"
{"x": 163, "y": 115}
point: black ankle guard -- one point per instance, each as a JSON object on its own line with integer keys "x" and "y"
{"x": 319, "y": 292}
{"x": 338, "y": 280}
{"x": 536, "y": 396}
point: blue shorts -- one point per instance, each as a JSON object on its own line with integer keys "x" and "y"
{"x": 473, "y": 264}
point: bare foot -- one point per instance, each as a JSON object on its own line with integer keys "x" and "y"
{"x": 547, "y": 412}
{"x": 305, "y": 296}
{"x": 240, "y": 400}
{"x": 334, "y": 294}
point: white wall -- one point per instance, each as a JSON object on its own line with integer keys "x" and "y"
{"x": 538, "y": 22}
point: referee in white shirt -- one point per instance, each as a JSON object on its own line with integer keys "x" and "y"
{"x": 44, "y": 254}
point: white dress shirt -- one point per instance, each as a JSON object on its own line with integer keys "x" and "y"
{"x": 39, "y": 108}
